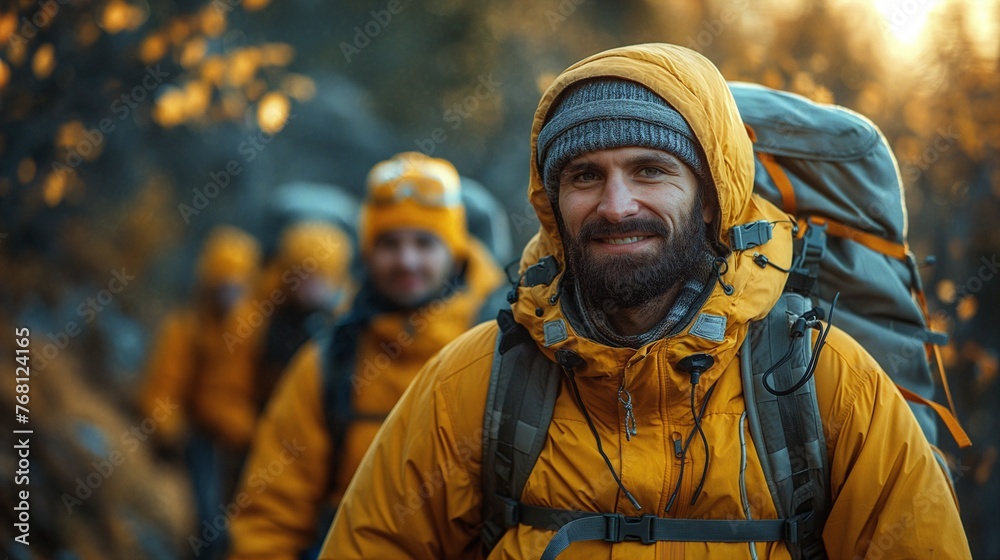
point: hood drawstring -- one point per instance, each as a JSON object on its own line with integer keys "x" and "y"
{"x": 694, "y": 365}
{"x": 721, "y": 266}
{"x": 569, "y": 360}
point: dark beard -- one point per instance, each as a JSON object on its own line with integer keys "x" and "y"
{"x": 613, "y": 282}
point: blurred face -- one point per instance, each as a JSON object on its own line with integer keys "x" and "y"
{"x": 409, "y": 267}
{"x": 314, "y": 293}
{"x": 633, "y": 224}
{"x": 221, "y": 299}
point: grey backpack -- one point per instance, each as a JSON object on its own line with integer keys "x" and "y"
{"x": 833, "y": 172}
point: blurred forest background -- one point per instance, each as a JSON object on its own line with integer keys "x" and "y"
{"x": 118, "y": 116}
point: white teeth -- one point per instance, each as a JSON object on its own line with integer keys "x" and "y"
{"x": 623, "y": 240}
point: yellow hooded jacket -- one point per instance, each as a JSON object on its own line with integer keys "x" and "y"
{"x": 188, "y": 346}
{"x": 286, "y": 482}
{"x": 235, "y": 392}
{"x": 417, "y": 493}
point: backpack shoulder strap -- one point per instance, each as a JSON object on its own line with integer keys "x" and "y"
{"x": 787, "y": 430}
{"x": 523, "y": 388}
{"x": 338, "y": 347}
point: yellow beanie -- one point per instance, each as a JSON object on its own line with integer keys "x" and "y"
{"x": 229, "y": 255}
{"x": 412, "y": 190}
{"x": 320, "y": 247}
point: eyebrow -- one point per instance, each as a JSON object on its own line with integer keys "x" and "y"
{"x": 670, "y": 162}
{"x": 575, "y": 167}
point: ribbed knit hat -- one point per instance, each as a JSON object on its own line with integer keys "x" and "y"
{"x": 612, "y": 113}
{"x": 412, "y": 190}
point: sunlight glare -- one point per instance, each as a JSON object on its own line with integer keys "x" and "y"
{"x": 905, "y": 19}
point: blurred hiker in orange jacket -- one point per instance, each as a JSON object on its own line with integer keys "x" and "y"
{"x": 426, "y": 281}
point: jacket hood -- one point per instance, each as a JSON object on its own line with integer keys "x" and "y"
{"x": 694, "y": 87}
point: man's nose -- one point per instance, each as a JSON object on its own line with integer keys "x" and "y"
{"x": 409, "y": 257}
{"x": 617, "y": 199}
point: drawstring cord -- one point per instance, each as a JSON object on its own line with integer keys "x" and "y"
{"x": 721, "y": 266}
{"x": 597, "y": 437}
{"x": 813, "y": 361}
{"x": 696, "y": 430}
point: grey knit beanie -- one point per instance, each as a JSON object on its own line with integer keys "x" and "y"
{"x": 612, "y": 113}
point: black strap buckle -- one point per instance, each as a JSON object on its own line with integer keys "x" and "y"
{"x": 750, "y": 235}
{"x": 813, "y": 244}
{"x": 542, "y": 272}
{"x": 621, "y": 528}
{"x": 799, "y": 526}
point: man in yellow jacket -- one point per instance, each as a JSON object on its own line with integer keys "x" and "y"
{"x": 426, "y": 281}
{"x": 640, "y": 166}
{"x": 189, "y": 343}
{"x": 296, "y": 295}
{"x": 187, "y": 354}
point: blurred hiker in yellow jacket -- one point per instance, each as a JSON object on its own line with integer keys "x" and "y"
{"x": 190, "y": 339}
{"x": 186, "y": 358}
{"x": 426, "y": 281}
{"x": 296, "y": 296}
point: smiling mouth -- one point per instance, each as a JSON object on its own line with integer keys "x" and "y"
{"x": 623, "y": 240}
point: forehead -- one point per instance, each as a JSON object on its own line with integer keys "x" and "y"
{"x": 405, "y": 235}
{"x": 624, "y": 156}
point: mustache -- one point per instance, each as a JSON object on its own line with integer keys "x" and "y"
{"x": 600, "y": 227}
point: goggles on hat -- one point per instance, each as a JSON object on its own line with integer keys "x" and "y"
{"x": 425, "y": 191}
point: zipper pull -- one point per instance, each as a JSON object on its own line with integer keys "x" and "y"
{"x": 678, "y": 448}
{"x": 626, "y": 401}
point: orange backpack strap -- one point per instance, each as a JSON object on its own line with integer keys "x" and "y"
{"x": 898, "y": 251}
{"x": 935, "y": 351}
{"x": 781, "y": 180}
{"x": 946, "y": 416}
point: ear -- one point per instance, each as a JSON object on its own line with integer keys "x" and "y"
{"x": 709, "y": 205}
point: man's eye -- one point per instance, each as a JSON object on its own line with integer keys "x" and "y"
{"x": 586, "y": 176}
{"x": 650, "y": 172}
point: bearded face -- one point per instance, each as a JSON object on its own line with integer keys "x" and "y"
{"x": 629, "y": 279}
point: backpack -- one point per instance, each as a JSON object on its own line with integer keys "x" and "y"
{"x": 833, "y": 171}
